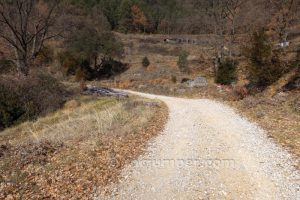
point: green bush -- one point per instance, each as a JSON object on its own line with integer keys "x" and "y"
{"x": 26, "y": 99}
{"x": 266, "y": 66}
{"x": 145, "y": 62}
{"x": 183, "y": 62}
{"x": 226, "y": 73}
{"x": 88, "y": 44}
{"x": 81, "y": 57}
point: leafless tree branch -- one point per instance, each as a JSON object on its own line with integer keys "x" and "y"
{"x": 26, "y": 28}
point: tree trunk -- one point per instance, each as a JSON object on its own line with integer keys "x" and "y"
{"x": 95, "y": 62}
{"x": 232, "y": 38}
{"x": 22, "y": 63}
{"x": 23, "y": 68}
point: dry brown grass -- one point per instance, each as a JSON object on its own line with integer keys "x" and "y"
{"x": 72, "y": 152}
{"x": 163, "y": 57}
{"x": 278, "y": 116}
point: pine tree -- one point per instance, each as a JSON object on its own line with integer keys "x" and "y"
{"x": 125, "y": 16}
{"x": 145, "y": 62}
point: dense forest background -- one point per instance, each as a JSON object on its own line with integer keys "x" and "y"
{"x": 35, "y": 30}
{"x": 188, "y": 16}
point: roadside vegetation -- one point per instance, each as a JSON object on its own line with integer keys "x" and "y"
{"x": 269, "y": 99}
{"x": 77, "y": 149}
{"x": 56, "y": 142}
{"x": 28, "y": 99}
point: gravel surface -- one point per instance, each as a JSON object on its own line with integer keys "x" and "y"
{"x": 207, "y": 151}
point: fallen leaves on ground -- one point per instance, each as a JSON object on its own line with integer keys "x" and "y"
{"x": 76, "y": 170}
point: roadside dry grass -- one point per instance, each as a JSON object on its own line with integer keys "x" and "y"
{"x": 279, "y": 116}
{"x": 73, "y": 152}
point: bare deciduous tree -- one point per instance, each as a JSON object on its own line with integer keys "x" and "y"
{"x": 223, "y": 16}
{"x": 25, "y": 25}
{"x": 232, "y": 8}
{"x": 216, "y": 11}
{"x": 284, "y": 13}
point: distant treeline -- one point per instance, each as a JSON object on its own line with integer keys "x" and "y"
{"x": 187, "y": 16}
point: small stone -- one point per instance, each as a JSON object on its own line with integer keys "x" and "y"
{"x": 260, "y": 114}
{"x": 197, "y": 82}
{"x": 281, "y": 97}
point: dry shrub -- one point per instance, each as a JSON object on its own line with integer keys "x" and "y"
{"x": 83, "y": 85}
{"x": 296, "y": 105}
{"x": 72, "y": 65}
{"x": 7, "y": 66}
{"x": 26, "y": 99}
{"x": 45, "y": 56}
{"x": 251, "y": 101}
{"x": 240, "y": 92}
{"x": 174, "y": 79}
{"x": 71, "y": 154}
{"x": 68, "y": 62}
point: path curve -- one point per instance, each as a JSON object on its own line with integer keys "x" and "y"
{"x": 207, "y": 151}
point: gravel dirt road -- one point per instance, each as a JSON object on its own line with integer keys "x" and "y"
{"x": 207, "y": 151}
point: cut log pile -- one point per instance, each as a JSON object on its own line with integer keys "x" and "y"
{"x": 101, "y": 91}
